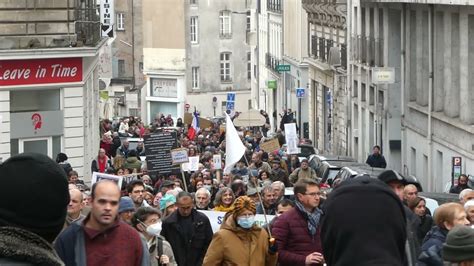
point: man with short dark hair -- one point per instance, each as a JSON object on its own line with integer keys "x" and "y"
{"x": 188, "y": 231}
{"x": 268, "y": 200}
{"x": 102, "y": 239}
{"x": 462, "y": 184}
{"x": 297, "y": 231}
{"x": 376, "y": 159}
{"x": 278, "y": 174}
{"x": 136, "y": 191}
{"x": 303, "y": 172}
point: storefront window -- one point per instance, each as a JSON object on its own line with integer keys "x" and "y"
{"x": 36, "y": 100}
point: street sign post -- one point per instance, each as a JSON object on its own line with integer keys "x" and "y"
{"x": 283, "y": 68}
{"x": 300, "y": 93}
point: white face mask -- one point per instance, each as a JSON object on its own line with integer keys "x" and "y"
{"x": 154, "y": 229}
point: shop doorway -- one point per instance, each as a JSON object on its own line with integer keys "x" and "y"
{"x": 38, "y": 145}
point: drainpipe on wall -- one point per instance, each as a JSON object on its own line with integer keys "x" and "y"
{"x": 430, "y": 94}
{"x": 402, "y": 85}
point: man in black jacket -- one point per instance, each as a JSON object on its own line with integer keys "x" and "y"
{"x": 376, "y": 159}
{"x": 188, "y": 231}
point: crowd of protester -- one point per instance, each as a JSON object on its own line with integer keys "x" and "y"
{"x": 156, "y": 219}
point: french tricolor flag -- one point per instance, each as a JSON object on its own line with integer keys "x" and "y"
{"x": 194, "y": 129}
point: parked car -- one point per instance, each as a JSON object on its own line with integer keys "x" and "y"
{"x": 329, "y": 169}
{"x": 316, "y": 160}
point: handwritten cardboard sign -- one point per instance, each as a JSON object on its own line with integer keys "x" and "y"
{"x": 179, "y": 156}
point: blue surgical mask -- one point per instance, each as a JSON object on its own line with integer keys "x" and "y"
{"x": 246, "y": 222}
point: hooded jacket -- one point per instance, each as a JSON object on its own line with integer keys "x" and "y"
{"x": 133, "y": 163}
{"x": 364, "y": 224}
{"x": 233, "y": 245}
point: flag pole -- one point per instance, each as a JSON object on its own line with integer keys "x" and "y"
{"x": 260, "y": 199}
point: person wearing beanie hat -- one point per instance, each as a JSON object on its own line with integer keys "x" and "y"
{"x": 304, "y": 171}
{"x": 230, "y": 245}
{"x": 167, "y": 205}
{"x": 459, "y": 246}
{"x": 24, "y": 228}
{"x": 376, "y": 232}
{"x": 126, "y": 209}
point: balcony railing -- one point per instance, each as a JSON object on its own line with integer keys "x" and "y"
{"x": 274, "y": 5}
{"x": 272, "y": 62}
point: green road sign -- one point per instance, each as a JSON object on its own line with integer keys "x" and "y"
{"x": 272, "y": 84}
{"x": 283, "y": 68}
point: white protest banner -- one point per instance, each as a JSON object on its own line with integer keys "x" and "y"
{"x": 193, "y": 163}
{"x": 289, "y": 191}
{"x": 179, "y": 156}
{"x": 217, "y": 161}
{"x": 101, "y": 176}
{"x": 291, "y": 138}
{"x": 217, "y": 218}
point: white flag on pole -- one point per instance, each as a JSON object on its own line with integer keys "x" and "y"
{"x": 234, "y": 148}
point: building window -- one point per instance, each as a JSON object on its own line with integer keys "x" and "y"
{"x": 248, "y": 21}
{"x": 120, "y": 21}
{"x": 195, "y": 77}
{"x": 194, "y": 29}
{"x": 225, "y": 67}
{"x": 249, "y": 66}
{"x": 121, "y": 67}
{"x": 225, "y": 24}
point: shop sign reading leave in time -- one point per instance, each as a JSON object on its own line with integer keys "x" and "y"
{"x": 40, "y": 71}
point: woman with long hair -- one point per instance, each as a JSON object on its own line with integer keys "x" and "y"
{"x": 224, "y": 199}
{"x": 240, "y": 241}
{"x": 418, "y": 206}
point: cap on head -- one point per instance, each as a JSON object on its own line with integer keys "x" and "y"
{"x": 35, "y": 175}
{"x": 390, "y": 175}
{"x": 126, "y": 204}
{"x": 167, "y": 201}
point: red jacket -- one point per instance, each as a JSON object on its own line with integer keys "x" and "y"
{"x": 293, "y": 238}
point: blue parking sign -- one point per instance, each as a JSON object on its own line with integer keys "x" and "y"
{"x": 230, "y": 105}
{"x": 300, "y": 93}
{"x": 231, "y": 97}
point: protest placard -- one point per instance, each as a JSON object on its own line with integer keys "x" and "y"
{"x": 217, "y": 218}
{"x": 179, "y": 156}
{"x": 291, "y": 138}
{"x": 96, "y": 177}
{"x": 270, "y": 146}
{"x": 158, "y": 152}
{"x": 217, "y": 161}
{"x": 193, "y": 163}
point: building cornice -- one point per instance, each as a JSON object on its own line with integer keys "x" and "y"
{"x": 19, "y": 54}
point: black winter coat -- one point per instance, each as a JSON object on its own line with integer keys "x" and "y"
{"x": 376, "y": 161}
{"x": 431, "y": 250}
{"x": 192, "y": 251}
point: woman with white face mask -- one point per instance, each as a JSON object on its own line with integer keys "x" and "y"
{"x": 146, "y": 221}
{"x": 240, "y": 241}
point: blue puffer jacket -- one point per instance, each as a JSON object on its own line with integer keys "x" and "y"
{"x": 431, "y": 250}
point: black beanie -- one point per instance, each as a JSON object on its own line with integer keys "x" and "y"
{"x": 363, "y": 224}
{"x": 459, "y": 244}
{"x": 33, "y": 194}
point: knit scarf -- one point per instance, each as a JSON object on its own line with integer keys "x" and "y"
{"x": 102, "y": 164}
{"x": 312, "y": 217}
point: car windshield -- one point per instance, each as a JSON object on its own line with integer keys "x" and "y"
{"x": 332, "y": 174}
